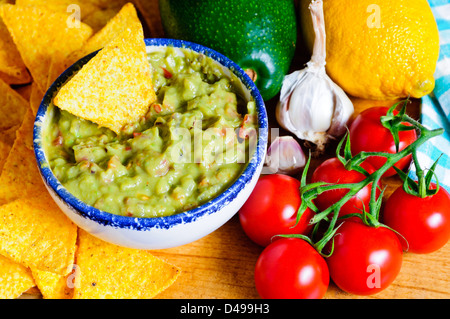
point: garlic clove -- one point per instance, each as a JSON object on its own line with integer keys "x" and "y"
{"x": 311, "y": 105}
{"x": 285, "y": 156}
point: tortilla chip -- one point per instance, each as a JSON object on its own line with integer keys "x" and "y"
{"x": 36, "y": 234}
{"x": 12, "y": 107}
{"x": 20, "y": 176}
{"x": 23, "y": 90}
{"x": 15, "y": 279}
{"x": 51, "y": 285}
{"x": 38, "y": 33}
{"x": 4, "y": 152}
{"x": 94, "y": 13}
{"x": 99, "y": 18}
{"x": 115, "y": 87}
{"x": 36, "y": 97}
{"x": 57, "y": 66}
{"x": 12, "y": 67}
{"x": 106, "y": 9}
{"x": 126, "y": 18}
{"x": 64, "y": 6}
{"x": 7, "y": 138}
{"x": 107, "y": 271}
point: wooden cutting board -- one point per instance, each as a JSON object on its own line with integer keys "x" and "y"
{"x": 221, "y": 265}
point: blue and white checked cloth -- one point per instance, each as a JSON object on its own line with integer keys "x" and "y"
{"x": 435, "y": 111}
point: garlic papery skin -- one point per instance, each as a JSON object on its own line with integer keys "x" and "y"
{"x": 311, "y": 105}
{"x": 285, "y": 156}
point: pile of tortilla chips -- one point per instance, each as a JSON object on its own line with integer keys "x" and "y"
{"x": 40, "y": 248}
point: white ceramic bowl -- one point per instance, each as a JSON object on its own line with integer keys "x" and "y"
{"x": 160, "y": 232}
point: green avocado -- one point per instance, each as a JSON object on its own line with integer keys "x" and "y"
{"x": 260, "y": 36}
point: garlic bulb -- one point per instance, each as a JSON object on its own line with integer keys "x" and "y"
{"x": 311, "y": 105}
{"x": 285, "y": 156}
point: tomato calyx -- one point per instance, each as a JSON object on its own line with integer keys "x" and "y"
{"x": 394, "y": 122}
{"x": 420, "y": 188}
{"x": 309, "y": 192}
{"x": 347, "y": 160}
{"x": 423, "y": 186}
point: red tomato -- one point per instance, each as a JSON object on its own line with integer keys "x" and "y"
{"x": 424, "y": 222}
{"x": 365, "y": 259}
{"x": 368, "y": 134}
{"x": 290, "y": 268}
{"x": 333, "y": 171}
{"x": 272, "y": 209}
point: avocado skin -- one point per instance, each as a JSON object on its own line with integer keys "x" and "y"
{"x": 258, "y": 35}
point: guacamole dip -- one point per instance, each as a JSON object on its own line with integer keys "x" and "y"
{"x": 192, "y": 144}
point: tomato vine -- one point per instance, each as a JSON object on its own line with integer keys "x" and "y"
{"x": 393, "y": 122}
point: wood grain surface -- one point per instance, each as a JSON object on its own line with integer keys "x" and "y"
{"x": 221, "y": 265}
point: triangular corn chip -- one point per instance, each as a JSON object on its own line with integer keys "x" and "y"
{"x": 20, "y": 175}
{"x": 36, "y": 97}
{"x": 12, "y": 107}
{"x": 51, "y": 285}
{"x": 12, "y": 68}
{"x": 24, "y": 90}
{"x": 6, "y": 143}
{"x": 34, "y": 232}
{"x": 38, "y": 33}
{"x": 15, "y": 279}
{"x": 85, "y": 7}
{"x": 115, "y": 87}
{"x": 7, "y": 138}
{"x": 108, "y": 271}
{"x": 126, "y": 18}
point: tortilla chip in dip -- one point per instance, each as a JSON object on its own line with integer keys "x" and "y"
{"x": 127, "y": 17}
{"x": 115, "y": 87}
{"x": 107, "y": 271}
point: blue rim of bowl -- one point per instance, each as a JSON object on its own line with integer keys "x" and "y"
{"x": 147, "y": 223}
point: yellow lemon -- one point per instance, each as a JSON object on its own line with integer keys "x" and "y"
{"x": 378, "y": 49}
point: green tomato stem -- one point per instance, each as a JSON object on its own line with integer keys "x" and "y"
{"x": 310, "y": 192}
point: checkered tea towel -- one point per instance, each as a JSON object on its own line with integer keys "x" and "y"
{"x": 435, "y": 108}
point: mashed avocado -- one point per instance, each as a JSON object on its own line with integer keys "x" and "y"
{"x": 193, "y": 143}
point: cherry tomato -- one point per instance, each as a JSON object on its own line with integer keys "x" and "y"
{"x": 368, "y": 134}
{"x": 333, "y": 171}
{"x": 424, "y": 222}
{"x": 365, "y": 259}
{"x": 272, "y": 209}
{"x": 290, "y": 268}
